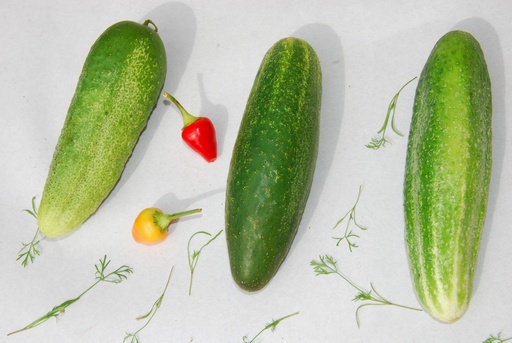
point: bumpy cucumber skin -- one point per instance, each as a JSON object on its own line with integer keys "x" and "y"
{"x": 447, "y": 176}
{"x": 273, "y": 162}
{"x": 117, "y": 90}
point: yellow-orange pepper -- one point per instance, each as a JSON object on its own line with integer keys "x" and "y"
{"x": 152, "y": 225}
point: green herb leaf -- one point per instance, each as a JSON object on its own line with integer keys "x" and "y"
{"x": 327, "y": 265}
{"x": 272, "y": 326}
{"x": 497, "y": 339}
{"x": 349, "y": 234}
{"x": 377, "y": 142}
{"x": 133, "y": 337}
{"x": 193, "y": 257}
{"x": 29, "y": 251}
{"x": 116, "y": 276}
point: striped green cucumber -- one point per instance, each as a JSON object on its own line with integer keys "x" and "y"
{"x": 273, "y": 162}
{"x": 447, "y": 175}
{"x": 117, "y": 90}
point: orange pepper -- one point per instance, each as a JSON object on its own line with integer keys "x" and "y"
{"x": 152, "y": 225}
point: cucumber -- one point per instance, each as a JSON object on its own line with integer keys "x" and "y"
{"x": 273, "y": 162}
{"x": 117, "y": 90}
{"x": 447, "y": 174}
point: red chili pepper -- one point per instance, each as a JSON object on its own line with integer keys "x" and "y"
{"x": 197, "y": 132}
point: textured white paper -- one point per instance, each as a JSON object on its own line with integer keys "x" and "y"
{"x": 368, "y": 50}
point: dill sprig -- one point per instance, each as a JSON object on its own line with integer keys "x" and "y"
{"x": 115, "y": 276}
{"x": 349, "y": 234}
{"x": 328, "y": 265}
{"x": 377, "y": 142}
{"x": 193, "y": 257}
{"x": 270, "y": 326}
{"x": 133, "y": 336}
{"x": 497, "y": 339}
{"x": 31, "y": 250}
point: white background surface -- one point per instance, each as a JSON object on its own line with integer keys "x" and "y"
{"x": 368, "y": 50}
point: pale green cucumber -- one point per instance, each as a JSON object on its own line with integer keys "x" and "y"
{"x": 117, "y": 90}
{"x": 447, "y": 175}
{"x": 273, "y": 162}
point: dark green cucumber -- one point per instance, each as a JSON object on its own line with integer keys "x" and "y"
{"x": 117, "y": 90}
{"x": 273, "y": 162}
{"x": 447, "y": 174}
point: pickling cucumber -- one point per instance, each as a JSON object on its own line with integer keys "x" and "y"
{"x": 273, "y": 162}
{"x": 117, "y": 90}
{"x": 447, "y": 175}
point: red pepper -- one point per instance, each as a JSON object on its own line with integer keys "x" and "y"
{"x": 197, "y": 132}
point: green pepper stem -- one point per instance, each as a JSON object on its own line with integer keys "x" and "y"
{"x": 163, "y": 220}
{"x": 187, "y": 117}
